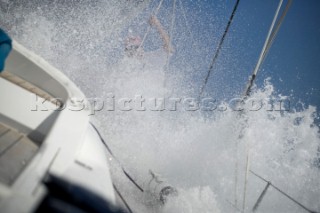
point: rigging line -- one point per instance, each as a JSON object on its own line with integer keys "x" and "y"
{"x": 266, "y": 43}
{"x": 236, "y": 176}
{"x": 148, "y": 30}
{"x": 246, "y": 179}
{"x": 193, "y": 42}
{"x": 234, "y": 206}
{"x": 173, "y": 16}
{"x": 186, "y": 21}
{"x": 111, "y": 153}
{"x": 247, "y": 93}
{"x": 185, "y": 17}
{"x": 122, "y": 199}
{"x": 282, "y": 192}
{"x": 215, "y": 56}
{"x": 170, "y": 48}
{"x": 275, "y": 32}
{"x": 268, "y": 38}
{"x": 155, "y": 13}
{"x": 263, "y": 193}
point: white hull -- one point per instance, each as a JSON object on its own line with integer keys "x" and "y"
{"x": 43, "y": 140}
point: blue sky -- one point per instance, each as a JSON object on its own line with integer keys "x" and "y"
{"x": 292, "y": 63}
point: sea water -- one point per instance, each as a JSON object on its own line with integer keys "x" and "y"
{"x": 209, "y": 152}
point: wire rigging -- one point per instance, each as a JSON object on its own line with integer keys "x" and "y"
{"x": 186, "y": 21}
{"x": 277, "y": 27}
{"x": 279, "y": 190}
{"x": 155, "y": 13}
{"x": 215, "y": 56}
{"x": 111, "y": 153}
{"x": 122, "y": 199}
{"x": 263, "y": 193}
{"x": 267, "y": 41}
{"x": 274, "y": 28}
{"x": 170, "y": 37}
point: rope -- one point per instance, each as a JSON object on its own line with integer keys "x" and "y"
{"x": 236, "y": 177}
{"x": 186, "y": 21}
{"x": 268, "y": 38}
{"x": 256, "y": 205}
{"x": 233, "y": 206}
{"x": 111, "y": 153}
{"x": 277, "y": 27}
{"x": 246, "y": 179}
{"x": 155, "y": 13}
{"x": 262, "y": 54}
{"x": 274, "y": 29}
{"x": 123, "y": 200}
{"x": 192, "y": 40}
{"x": 282, "y": 192}
{"x": 170, "y": 36}
{"x": 215, "y": 56}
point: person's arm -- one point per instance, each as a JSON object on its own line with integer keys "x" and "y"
{"x": 164, "y": 35}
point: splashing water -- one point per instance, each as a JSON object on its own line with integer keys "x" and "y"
{"x": 203, "y": 157}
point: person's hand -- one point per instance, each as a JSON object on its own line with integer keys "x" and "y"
{"x": 153, "y": 20}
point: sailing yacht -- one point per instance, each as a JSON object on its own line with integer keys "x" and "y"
{"x": 47, "y": 162}
{"x": 41, "y": 152}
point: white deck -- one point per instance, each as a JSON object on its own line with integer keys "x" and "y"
{"x": 36, "y": 139}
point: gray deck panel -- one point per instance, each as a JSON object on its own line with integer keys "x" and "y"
{"x": 8, "y": 139}
{"x": 3, "y": 129}
{"x": 16, "y": 151}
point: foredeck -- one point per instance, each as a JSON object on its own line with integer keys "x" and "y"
{"x": 22, "y": 130}
{"x": 16, "y": 150}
